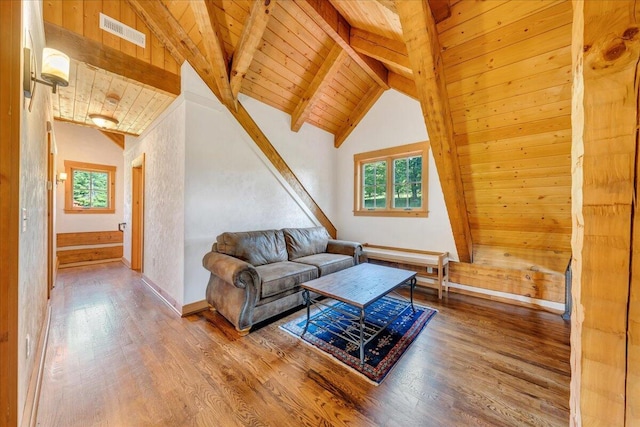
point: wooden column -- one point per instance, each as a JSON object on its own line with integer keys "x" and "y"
{"x": 423, "y": 46}
{"x": 605, "y": 48}
{"x": 10, "y": 112}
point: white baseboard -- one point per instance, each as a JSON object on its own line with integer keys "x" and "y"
{"x": 30, "y": 412}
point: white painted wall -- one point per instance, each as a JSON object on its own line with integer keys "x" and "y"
{"x": 32, "y": 256}
{"x": 205, "y": 176}
{"x": 394, "y": 120}
{"x": 309, "y": 153}
{"x": 163, "y": 145}
{"x": 230, "y": 185}
{"x": 84, "y": 144}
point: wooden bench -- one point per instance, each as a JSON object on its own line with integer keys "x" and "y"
{"x": 429, "y": 265}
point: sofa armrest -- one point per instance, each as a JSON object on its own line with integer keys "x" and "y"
{"x": 345, "y": 247}
{"x": 232, "y": 270}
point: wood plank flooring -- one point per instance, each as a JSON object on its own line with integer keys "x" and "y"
{"x": 118, "y": 356}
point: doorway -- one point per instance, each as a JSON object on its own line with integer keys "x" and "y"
{"x": 137, "y": 213}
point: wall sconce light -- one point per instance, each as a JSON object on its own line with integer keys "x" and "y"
{"x": 55, "y": 70}
{"x": 62, "y": 177}
{"x": 103, "y": 121}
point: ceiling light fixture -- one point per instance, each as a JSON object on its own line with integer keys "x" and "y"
{"x": 103, "y": 121}
{"x": 55, "y": 70}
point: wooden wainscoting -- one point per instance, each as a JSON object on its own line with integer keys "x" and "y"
{"x": 89, "y": 247}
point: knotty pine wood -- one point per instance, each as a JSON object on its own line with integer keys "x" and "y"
{"x": 10, "y": 123}
{"x": 533, "y": 284}
{"x": 424, "y": 49}
{"x": 74, "y": 256}
{"x": 212, "y": 40}
{"x": 251, "y": 36}
{"x": 606, "y": 50}
{"x": 88, "y": 238}
{"x": 507, "y": 70}
{"x": 375, "y": 18}
{"x": 119, "y": 356}
{"x": 522, "y": 259}
{"x": 82, "y": 17}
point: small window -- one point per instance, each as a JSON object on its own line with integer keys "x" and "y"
{"x": 392, "y": 182}
{"x": 90, "y": 188}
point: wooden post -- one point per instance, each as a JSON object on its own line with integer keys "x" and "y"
{"x": 605, "y": 49}
{"x": 10, "y": 113}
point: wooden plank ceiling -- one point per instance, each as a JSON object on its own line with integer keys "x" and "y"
{"x": 502, "y": 89}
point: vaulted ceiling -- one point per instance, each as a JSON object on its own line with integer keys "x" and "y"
{"x": 492, "y": 77}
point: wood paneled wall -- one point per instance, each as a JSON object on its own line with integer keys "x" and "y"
{"x": 83, "y": 17}
{"x": 508, "y": 73}
{"x": 89, "y": 247}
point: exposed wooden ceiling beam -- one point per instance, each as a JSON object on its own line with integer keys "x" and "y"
{"x": 166, "y": 27}
{"x": 212, "y": 41}
{"x": 329, "y": 19}
{"x": 385, "y": 50}
{"x": 323, "y": 77}
{"x": 173, "y": 36}
{"x": 85, "y": 50}
{"x": 404, "y": 85}
{"x": 250, "y": 38}
{"x": 358, "y": 114}
{"x": 278, "y": 162}
{"x": 423, "y": 46}
{"x": 441, "y": 8}
{"x": 117, "y": 138}
{"x": 389, "y": 4}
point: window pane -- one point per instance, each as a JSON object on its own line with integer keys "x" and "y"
{"x": 374, "y": 186}
{"x": 407, "y": 175}
{"x": 90, "y": 189}
{"x": 81, "y": 180}
{"x": 99, "y": 199}
{"x": 99, "y": 180}
{"x": 369, "y": 173}
{"x": 81, "y": 198}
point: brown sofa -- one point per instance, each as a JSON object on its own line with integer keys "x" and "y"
{"x": 255, "y": 275}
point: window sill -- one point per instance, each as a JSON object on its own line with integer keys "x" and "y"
{"x": 90, "y": 211}
{"x": 396, "y": 214}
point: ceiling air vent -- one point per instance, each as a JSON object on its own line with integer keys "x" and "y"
{"x": 121, "y": 30}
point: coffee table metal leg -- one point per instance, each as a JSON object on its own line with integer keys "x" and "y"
{"x": 307, "y": 301}
{"x": 362, "y": 337}
{"x": 413, "y": 285}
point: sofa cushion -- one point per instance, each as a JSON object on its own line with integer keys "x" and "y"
{"x": 302, "y": 242}
{"x": 327, "y": 263}
{"x": 254, "y": 247}
{"x": 283, "y": 276}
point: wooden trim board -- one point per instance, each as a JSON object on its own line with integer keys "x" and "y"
{"x": 10, "y": 123}
{"x": 88, "y": 238}
{"x": 194, "y": 307}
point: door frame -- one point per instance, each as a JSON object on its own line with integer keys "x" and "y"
{"x": 137, "y": 213}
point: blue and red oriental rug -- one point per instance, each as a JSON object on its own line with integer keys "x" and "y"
{"x": 383, "y": 351}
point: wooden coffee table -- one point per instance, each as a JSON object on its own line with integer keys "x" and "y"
{"x": 359, "y": 287}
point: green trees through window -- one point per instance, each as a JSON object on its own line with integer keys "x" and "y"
{"x": 90, "y": 188}
{"x": 392, "y": 182}
{"x": 407, "y": 182}
{"x": 375, "y": 185}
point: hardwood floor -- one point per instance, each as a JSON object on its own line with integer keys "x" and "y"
{"x": 118, "y": 356}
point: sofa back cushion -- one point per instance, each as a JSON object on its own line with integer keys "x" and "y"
{"x": 305, "y": 241}
{"x": 254, "y": 247}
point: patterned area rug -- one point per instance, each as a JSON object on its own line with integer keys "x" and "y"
{"x": 383, "y": 351}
